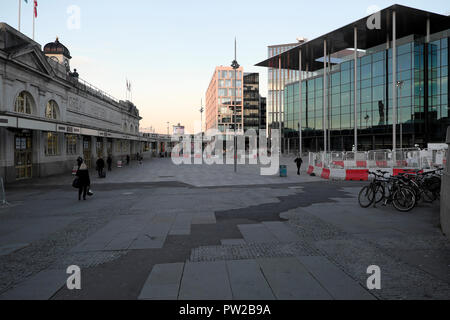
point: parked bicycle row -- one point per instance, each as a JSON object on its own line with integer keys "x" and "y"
{"x": 404, "y": 191}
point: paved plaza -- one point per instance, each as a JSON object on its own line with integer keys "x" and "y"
{"x": 157, "y": 231}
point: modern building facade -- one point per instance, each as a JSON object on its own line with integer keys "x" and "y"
{"x": 49, "y": 116}
{"x": 392, "y": 110}
{"x": 276, "y": 80}
{"x": 254, "y": 104}
{"x": 221, "y": 102}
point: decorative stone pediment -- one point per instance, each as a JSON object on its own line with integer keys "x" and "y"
{"x": 32, "y": 58}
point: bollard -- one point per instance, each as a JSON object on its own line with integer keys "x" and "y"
{"x": 3, "y": 194}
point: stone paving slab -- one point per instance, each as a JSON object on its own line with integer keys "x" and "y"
{"x": 204, "y": 218}
{"x": 182, "y": 224}
{"x": 163, "y": 282}
{"x": 232, "y": 242}
{"x": 281, "y": 231}
{"x": 205, "y": 281}
{"x": 290, "y": 280}
{"x": 247, "y": 281}
{"x": 121, "y": 241}
{"x": 146, "y": 242}
{"x": 41, "y": 286}
{"x": 334, "y": 280}
{"x": 257, "y": 233}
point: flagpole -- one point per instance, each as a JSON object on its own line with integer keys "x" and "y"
{"x": 34, "y": 19}
{"x": 20, "y": 11}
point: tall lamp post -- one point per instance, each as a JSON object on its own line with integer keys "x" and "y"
{"x": 400, "y": 86}
{"x": 235, "y": 65}
{"x": 201, "y": 123}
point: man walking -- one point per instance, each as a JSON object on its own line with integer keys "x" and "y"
{"x": 109, "y": 162}
{"x": 299, "y": 162}
{"x": 100, "y": 166}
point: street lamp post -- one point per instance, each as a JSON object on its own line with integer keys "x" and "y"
{"x": 400, "y": 86}
{"x": 201, "y": 123}
{"x": 235, "y": 65}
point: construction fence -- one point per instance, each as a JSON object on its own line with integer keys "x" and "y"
{"x": 402, "y": 158}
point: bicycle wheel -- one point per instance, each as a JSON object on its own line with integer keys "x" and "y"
{"x": 428, "y": 196}
{"x": 404, "y": 200}
{"x": 366, "y": 197}
{"x": 380, "y": 194}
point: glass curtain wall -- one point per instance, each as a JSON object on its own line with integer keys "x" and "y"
{"x": 375, "y": 100}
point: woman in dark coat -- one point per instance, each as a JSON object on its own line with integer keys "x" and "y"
{"x": 83, "y": 180}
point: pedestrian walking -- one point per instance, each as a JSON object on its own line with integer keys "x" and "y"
{"x": 109, "y": 162}
{"x": 299, "y": 162}
{"x": 84, "y": 181}
{"x": 139, "y": 158}
{"x": 100, "y": 166}
{"x": 128, "y": 159}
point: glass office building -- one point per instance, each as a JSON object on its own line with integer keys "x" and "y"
{"x": 421, "y": 85}
{"x": 418, "y": 125}
{"x": 275, "y": 91}
{"x": 254, "y": 104}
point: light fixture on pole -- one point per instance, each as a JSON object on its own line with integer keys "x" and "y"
{"x": 235, "y": 65}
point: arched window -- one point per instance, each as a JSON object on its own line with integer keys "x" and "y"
{"x": 131, "y": 128}
{"x": 52, "y": 110}
{"x": 24, "y": 103}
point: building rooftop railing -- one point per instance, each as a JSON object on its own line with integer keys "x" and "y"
{"x": 91, "y": 89}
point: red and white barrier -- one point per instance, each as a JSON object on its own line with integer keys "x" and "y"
{"x": 354, "y": 174}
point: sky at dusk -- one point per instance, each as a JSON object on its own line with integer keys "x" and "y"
{"x": 169, "y": 49}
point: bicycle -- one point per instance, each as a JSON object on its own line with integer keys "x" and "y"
{"x": 426, "y": 186}
{"x": 368, "y": 195}
{"x": 398, "y": 193}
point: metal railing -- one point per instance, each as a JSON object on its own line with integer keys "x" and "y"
{"x": 93, "y": 90}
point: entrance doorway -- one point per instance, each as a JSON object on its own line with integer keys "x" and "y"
{"x": 23, "y": 155}
{"x": 87, "y": 151}
{"x": 100, "y": 147}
